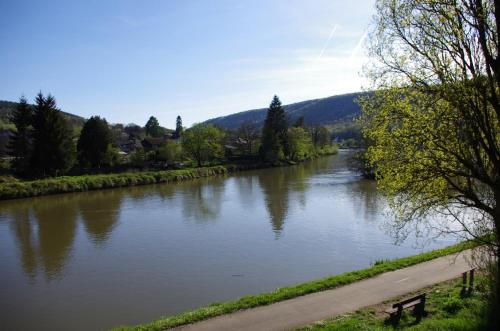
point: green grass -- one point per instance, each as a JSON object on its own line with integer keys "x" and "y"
{"x": 446, "y": 310}
{"x": 11, "y": 188}
{"x": 295, "y": 291}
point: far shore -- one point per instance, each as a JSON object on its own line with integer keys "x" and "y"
{"x": 12, "y": 188}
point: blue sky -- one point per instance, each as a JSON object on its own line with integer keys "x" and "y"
{"x": 129, "y": 59}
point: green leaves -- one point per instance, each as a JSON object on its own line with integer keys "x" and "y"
{"x": 203, "y": 142}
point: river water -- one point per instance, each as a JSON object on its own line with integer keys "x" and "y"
{"x": 94, "y": 260}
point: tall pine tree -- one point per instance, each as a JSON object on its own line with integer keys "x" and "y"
{"x": 20, "y": 139}
{"x": 53, "y": 147}
{"x": 94, "y": 143}
{"x": 274, "y": 132}
{"x": 178, "y": 128}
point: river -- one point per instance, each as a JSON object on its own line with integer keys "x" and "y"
{"x": 94, "y": 260}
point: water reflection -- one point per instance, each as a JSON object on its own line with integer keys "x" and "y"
{"x": 66, "y": 259}
{"x": 276, "y": 199}
{"x": 365, "y": 199}
{"x": 278, "y": 186}
{"x": 56, "y": 231}
{"x": 202, "y": 199}
{"x": 45, "y": 227}
{"x": 100, "y": 212}
{"x": 23, "y": 231}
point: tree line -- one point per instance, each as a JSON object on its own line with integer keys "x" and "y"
{"x": 44, "y": 145}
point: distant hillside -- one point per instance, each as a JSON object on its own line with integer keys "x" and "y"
{"x": 326, "y": 111}
{"x": 6, "y": 108}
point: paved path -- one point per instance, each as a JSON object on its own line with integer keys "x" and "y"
{"x": 307, "y": 309}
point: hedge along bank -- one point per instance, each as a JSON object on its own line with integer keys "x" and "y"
{"x": 23, "y": 189}
{"x": 15, "y": 189}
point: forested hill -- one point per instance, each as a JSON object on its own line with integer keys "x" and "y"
{"x": 6, "y": 107}
{"x": 325, "y": 111}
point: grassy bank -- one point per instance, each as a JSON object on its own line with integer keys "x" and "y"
{"x": 295, "y": 291}
{"x": 12, "y": 188}
{"x": 446, "y": 310}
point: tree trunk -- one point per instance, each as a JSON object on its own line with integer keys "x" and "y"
{"x": 495, "y": 309}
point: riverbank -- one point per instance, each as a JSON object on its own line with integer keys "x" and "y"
{"x": 16, "y": 189}
{"x": 285, "y": 293}
{"x": 12, "y": 188}
{"x": 446, "y": 308}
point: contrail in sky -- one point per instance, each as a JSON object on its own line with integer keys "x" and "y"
{"x": 328, "y": 41}
{"x": 358, "y": 45}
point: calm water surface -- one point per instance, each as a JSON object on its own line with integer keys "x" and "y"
{"x": 91, "y": 261}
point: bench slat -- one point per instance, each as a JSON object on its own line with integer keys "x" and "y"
{"x": 410, "y": 300}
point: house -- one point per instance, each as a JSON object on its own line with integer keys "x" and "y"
{"x": 129, "y": 145}
{"x": 150, "y": 143}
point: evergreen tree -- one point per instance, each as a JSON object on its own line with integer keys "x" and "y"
{"x": 153, "y": 128}
{"x": 178, "y": 128}
{"x": 274, "y": 142}
{"x": 94, "y": 143}
{"x": 20, "y": 140}
{"x": 53, "y": 147}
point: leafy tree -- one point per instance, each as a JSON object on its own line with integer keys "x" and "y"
{"x": 247, "y": 137}
{"x": 178, "y": 128}
{"x": 203, "y": 142}
{"x": 94, "y": 143}
{"x": 324, "y": 138}
{"x": 153, "y": 128}
{"x": 170, "y": 152}
{"x": 434, "y": 121}
{"x": 138, "y": 157}
{"x": 133, "y": 129}
{"x": 300, "y": 144}
{"x": 274, "y": 133}
{"x": 112, "y": 156}
{"x": 320, "y": 136}
{"x": 20, "y": 139}
{"x": 53, "y": 148}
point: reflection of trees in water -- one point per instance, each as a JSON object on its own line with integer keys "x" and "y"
{"x": 45, "y": 227}
{"x": 99, "y": 211}
{"x": 276, "y": 186}
{"x": 22, "y": 228}
{"x": 56, "y": 230}
{"x": 365, "y": 198}
{"x": 245, "y": 185}
{"x": 201, "y": 199}
{"x": 275, "y": 189}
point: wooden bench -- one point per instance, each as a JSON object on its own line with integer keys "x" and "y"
{"x": 417, "y": 302}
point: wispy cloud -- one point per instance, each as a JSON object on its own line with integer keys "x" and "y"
{"x": 303, "y": 73}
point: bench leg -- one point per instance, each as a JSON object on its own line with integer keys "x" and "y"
{"x": 419, "y": 310}
{"x": 463, "y": 292}
{"x": 396, "y": 317}
{"x": 471, "y": 282}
